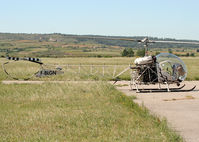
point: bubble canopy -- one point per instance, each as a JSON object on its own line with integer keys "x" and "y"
{"x": 172, "y": 65}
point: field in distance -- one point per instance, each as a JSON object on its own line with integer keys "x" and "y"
{"x": 61, "y": 45}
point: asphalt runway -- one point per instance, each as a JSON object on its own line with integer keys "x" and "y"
{"x": 181, "y": 109}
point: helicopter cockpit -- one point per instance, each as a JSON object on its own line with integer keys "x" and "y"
{"x": 170, "y": 68}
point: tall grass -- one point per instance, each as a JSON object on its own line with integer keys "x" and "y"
{"x": 192, "y": 64}
{"x": 76, "y": 112}
{"x": 24, "y": 69}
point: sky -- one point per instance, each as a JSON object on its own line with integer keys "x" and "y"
{"x": 158, "y": 18}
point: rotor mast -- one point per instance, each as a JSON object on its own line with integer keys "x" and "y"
{"x": 146, "y": 47}
{"x": 146, "y": 41}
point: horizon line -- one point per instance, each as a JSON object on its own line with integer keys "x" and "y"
{"x": 50, "y": 33}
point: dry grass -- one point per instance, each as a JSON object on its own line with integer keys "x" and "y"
{"x": 27, "y": 69}
{"x": 192, "y": 64}
{"x": 75, "y": 112}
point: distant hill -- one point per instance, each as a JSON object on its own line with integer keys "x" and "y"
{"x": 66, "y": 45}
{"x": 78, "y": 38}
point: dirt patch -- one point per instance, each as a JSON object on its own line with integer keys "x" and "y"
{"x": 186, "y": 98}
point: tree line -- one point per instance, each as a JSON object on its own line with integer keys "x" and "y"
{"x": 128, "y": 52}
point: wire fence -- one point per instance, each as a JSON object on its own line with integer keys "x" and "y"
{"x": 23, "y": 70}
{"x": 103, "y": 70}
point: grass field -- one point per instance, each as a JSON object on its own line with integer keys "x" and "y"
{"x": 76, "y": 112}
{"x": 192, "y": 64}
{"x": 57, "y": 49}
{"x": 21, "y": 69}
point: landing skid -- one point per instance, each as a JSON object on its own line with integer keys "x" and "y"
{"x": 165, "y": 90}
{"x": 156, "y": 89}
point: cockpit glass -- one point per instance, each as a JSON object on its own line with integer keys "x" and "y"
{"x": 172, "y": 65}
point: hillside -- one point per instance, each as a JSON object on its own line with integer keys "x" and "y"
{"x": 64, "y": 45}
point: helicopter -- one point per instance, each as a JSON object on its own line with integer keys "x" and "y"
{"x": 164, "y": 68}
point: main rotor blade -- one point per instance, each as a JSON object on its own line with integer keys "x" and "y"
{"x": 145, "y": 40}
{"x": 129, "y": 39}
{"x": 177, "y": 42}
{"x": 105, "y": 38}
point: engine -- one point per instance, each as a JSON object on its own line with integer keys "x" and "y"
{"x": 146, "y": 69}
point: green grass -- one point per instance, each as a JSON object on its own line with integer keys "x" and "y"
{"x": 23, "y": 69}
{"x": 192, "y": 64}
{"x": 26, "y": 69}
{"x": 76, "y": 112}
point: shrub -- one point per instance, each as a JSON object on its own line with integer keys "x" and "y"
{"x": 128, "y": 52}
{"x": 140, "y": 52}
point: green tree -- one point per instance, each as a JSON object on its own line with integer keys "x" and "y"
{"x": 192, "y": 54}
{"x": 130, "y": 52}
{"x": 124, "y": 53}
{"x": 140, "y": 52}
